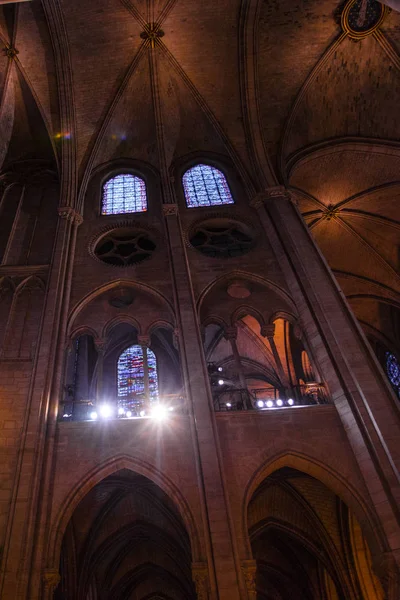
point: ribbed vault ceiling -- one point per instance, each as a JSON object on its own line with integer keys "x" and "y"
{"x": 277, "y": 86}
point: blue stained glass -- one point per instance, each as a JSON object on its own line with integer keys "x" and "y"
{"x": 393, "y": 371}
{"x": 206, "y": 186}
{"x": 124, "y": 193}
{"x": 131, "y": 377}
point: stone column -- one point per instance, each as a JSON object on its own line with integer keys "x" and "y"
{"x": 222, "y": 556}
{"x": 231, "y": 336}
{"x": 144, "y": 342}
{"x": 100, "y": 347}
{"x": 357, "y": 385}
{"x": 25, "y": 545}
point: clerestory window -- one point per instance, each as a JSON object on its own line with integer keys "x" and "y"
{"x": 393, "y": 371}
{"x": 124, "y": 193}
{"x": 137, "y": 378}
{"x": 206, "y": 186}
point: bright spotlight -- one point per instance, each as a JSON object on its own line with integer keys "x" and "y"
{"x": 290, "y": 401}
{"x": 279, "y": 402}
{"x": 260, "y": 403}
{"x": 229, "y": 405}
{"x": 270, "y": 404}
{"x": 105, "y": 411}
{"x": 220, "y": 369}
{"x": 121, "y": 411}
{"x": 159, "y": 412}
{"x": 171, "y": 408}
{"x": 142, "y": 413}
{"x": 93, "y": 415}
{"x": 128, "y": 414}
{"x": 221, "y": 382}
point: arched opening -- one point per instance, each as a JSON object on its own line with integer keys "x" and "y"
{"x": 123, "y": 193}
{"x": 122, "y": 375}
{"x": 307, "y": 543}
{"x": 205, "y": 186}
{"x": 126, "y": 541}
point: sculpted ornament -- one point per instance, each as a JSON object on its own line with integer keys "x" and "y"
{"x": 170, "y": 209}
{"x": 272, "y": 193}
{"x": 70, "y": 214}
{"x": 200, "y": 578}
{"x": 249, "y": 569}
{"x": 51, "y": 579}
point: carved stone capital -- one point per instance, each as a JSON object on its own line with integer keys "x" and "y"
{"x": 51, "y": 579}
{"x": 70, "y": 214}
{"x": 201, "y": 580}
{"x": 249, "y": 570}
{"x": 144, "y": 341}
{"x": 272, "y": 193}
{"x": 100, "y": 345}
{"x": 170, "y": 209}
{"x": 387, "y": 570}
{"x": 268, "y": 331}
{"x": 230, "y": 333}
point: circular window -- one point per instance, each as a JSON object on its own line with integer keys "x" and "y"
{"x": 124, "y": 247}
{"x": 222, "y": 238}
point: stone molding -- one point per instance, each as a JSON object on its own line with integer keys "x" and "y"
{"x": 70, "y": 214}
{"x": 201, "y": 580}
{"x": 170, "y": 209}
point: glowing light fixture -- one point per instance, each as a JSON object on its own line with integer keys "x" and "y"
{"x": 121, "y": 411}
{"x": 128, "y": 414}
{"x": 270, "y": 404}
{"x": 228, "y": 404}
{"x": 279, "y": 402}
{"x": 290, "y": 401}
{"x": 105, "y": 411}
{"x": 260, "y": 403}
{"x": 93, "y": 415}
{"x": 220, "y": 369}
{"x": 159, "y": 412}
{"x": 221, "y": 382}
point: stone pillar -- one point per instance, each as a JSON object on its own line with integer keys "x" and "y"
{"x": 249, "y": 568}
{"x": 222, "y": 555}
{"x": 357, "y": 385}
{"x": 26, "y": 537}
{"x": 100, "y": 347}
{"x": 144, "y": 342}
{"x": 201, "y": 580}
{"x": 231, "y": 336}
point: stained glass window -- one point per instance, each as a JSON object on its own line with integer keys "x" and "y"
{"x": 124, "y": 193}
{"x": 132, "y": 368}
{"x": 206, "y": 186}
{"x": 393, "y": 371}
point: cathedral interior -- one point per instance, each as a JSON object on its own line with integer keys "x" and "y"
{"x": 199, "y": 300}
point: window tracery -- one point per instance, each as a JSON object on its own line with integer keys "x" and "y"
{"x": 206, "y": 186}
{"x": 124, "y": 193}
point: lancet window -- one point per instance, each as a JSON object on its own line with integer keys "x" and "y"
{"x": 205, "y": 186}
{"x": 137, "y": 378}
{"x": 124, "y": 193}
